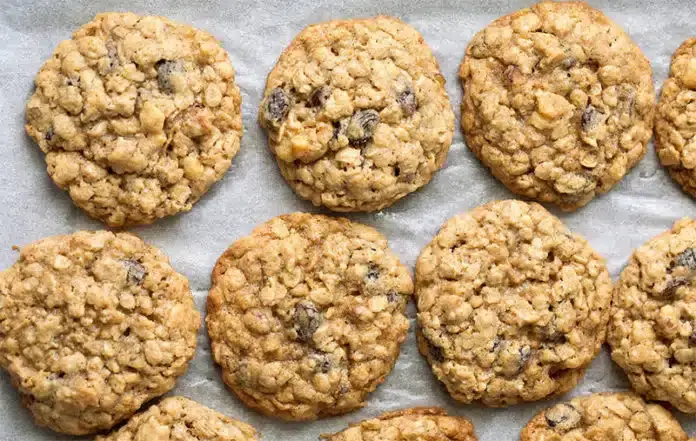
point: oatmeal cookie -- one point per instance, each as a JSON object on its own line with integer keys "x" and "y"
{"x": 93, "y": 325}
{"x": 422, "y": 424}
{"x": 675, "y": 122}
{"x": 558, "y": 102}
{"x": 181, "y": 419}
{"x": 357, "y": 113}
{"x": 653, "y": 327}
{"x": 138, "y": 117}
{"x": 604, "y": 417}
{"x": 512, "y": 307}
{"x": 307, "y": 314}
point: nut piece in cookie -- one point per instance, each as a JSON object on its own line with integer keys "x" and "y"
{"x": 180, "y": 419}
{"x": 418, "y": 423}
{"x": 351, "y": 129}
{"x": 558, "y": 102}
{"x": 92, "y": 326}
{"x": 604, "y": 417}
{"x": 306, "y": 315}
{"x": 512, "y": 306}
{"x": 138, "y": 117}
{"x": 652, "y": 331}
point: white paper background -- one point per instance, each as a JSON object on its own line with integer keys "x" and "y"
{"x": 254, "y": 33}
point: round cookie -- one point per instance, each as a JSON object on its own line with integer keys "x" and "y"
{"x": 307, "y": 314}
{"x": 558, "y": 102}
{"x": 604, "y": 417}
{"x": 653, "y": 327}
{"x": 422, "y": 424}
{"x": 512, "y": 307}
{"x": 93, "y": 325}
{"x": 675, "y": 131}
{"x": 181, "y": 419}
{"x": 138, "y": 117}
{"x": 357, "y": 113}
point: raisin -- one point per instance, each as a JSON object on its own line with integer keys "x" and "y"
{"x": 525, "y": 355}
{"x": 372, "y": 273}
{"x": 436, "y": 352}
{"x": 393, "y": 297}
{"x": 49, "y": 134}
{"x": 307, "y": 321}
{"x": 362, "y": 126}
{"x": 319, "y": 97}
{"x": 135, "y": 272}
{"x": 407, "y": 101}
{"x": 340, "y": 128}
{"x": 496, "y": 344}
{"x": 686, "y": 258}
{"x": 165, "y": 69}
{"x": 551, "y": 334}
{"x": 591, "y": 117}
{"x": 672, "y": 286}
{"x": 276, "y": 107}
{"x": 569, "y": 62}
{"x": 322, "y": 362}
{"x": 112, "y": 54}
{"x": 563, "y": 417}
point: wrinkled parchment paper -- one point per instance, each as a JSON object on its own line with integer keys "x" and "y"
{"x": 255, "y": 32}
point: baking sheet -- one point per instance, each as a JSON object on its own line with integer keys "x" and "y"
{"x": 254, "y": 33}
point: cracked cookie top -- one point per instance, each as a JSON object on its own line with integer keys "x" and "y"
{"x": 604, "y": 417}
{"x": 422, "y": 424}
{"x": 357, "y": 113}
{"x": 558, "y": 102}
{"x": 93, "y": 325}
{"x": 180, "y": 419}
{"x": 307, "y": 314}
{"x": 138, "y": 117}
{"x": 512, "y": 307}
{"x": 653, "y": 327}
{"x": 675, "y": 122}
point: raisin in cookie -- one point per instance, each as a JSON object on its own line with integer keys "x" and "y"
{"x": 181, "y": 419}
{"x": 357, "y": 113}
{"x": 422, "y": 424}
{"x": 653, "y": 327}
{"x": 93, "y": 325}
{"x": 307, "y": 314}
{"x": 604, "y": 417}
{"x": 675, "y": 122}
{"x": 558, "y": 102}
{"x": 138, "y": 117}
{"x": 512, "y": 307}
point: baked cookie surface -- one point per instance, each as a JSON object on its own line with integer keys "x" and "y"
{"x": 138, "y": 117}
{"x": 357, "y": 113}
{"x": 675, "y": 126}
{"x": 604, "y": 417}
{"x": 512, "y": 307}
{"x": 558, "y": 102}
{"x": 180, "y": 419}
{"x": 653, "y": 327}
{"x": 93, "y": 325}
{"x": 422, "y": 424}
{"x": 307, "y": 314}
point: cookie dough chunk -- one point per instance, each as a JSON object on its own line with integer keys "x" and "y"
{"x": 422, "y": 424}
{"x": 181, "y": 419}
{"x": 512, "y": 307}
{"x": 604, "y": 417}
{"x": 558, "y": 102}
{"x": 93, "y": 325}
{"x": 675, "y": 123}
{"x": 653, "y": 327}
{"x": 357, "y": 113}
{"x": 307, "y": 314}
{"x": 138, "y": 117}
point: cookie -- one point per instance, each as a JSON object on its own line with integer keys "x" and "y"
{"x": 604, "y": 417}
{"x": 653, "y": 327}
{"x": 512, "y": 307}
{"x": 181, "y": 419}
{"x": 93, "y": 325}
{"x": 558, "y": 102}
{"x": 675, "y": 131}
{"x": 307, "y": 314}
{"x": 357, "y": 113}
{"x": 138, "y": 117}
{"x": 422, "y": 424}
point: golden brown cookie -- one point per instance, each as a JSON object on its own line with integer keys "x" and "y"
{"x": 138, "y": 117}
{"x": 558, "y": 102}
{"x": 357, "y": 113}
{"x": 93, "y": 325}
{"x": 307, "y": 314}
{"x": 512, "y": 306}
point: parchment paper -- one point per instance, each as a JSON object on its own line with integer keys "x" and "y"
{"x": 254, "y": 32}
